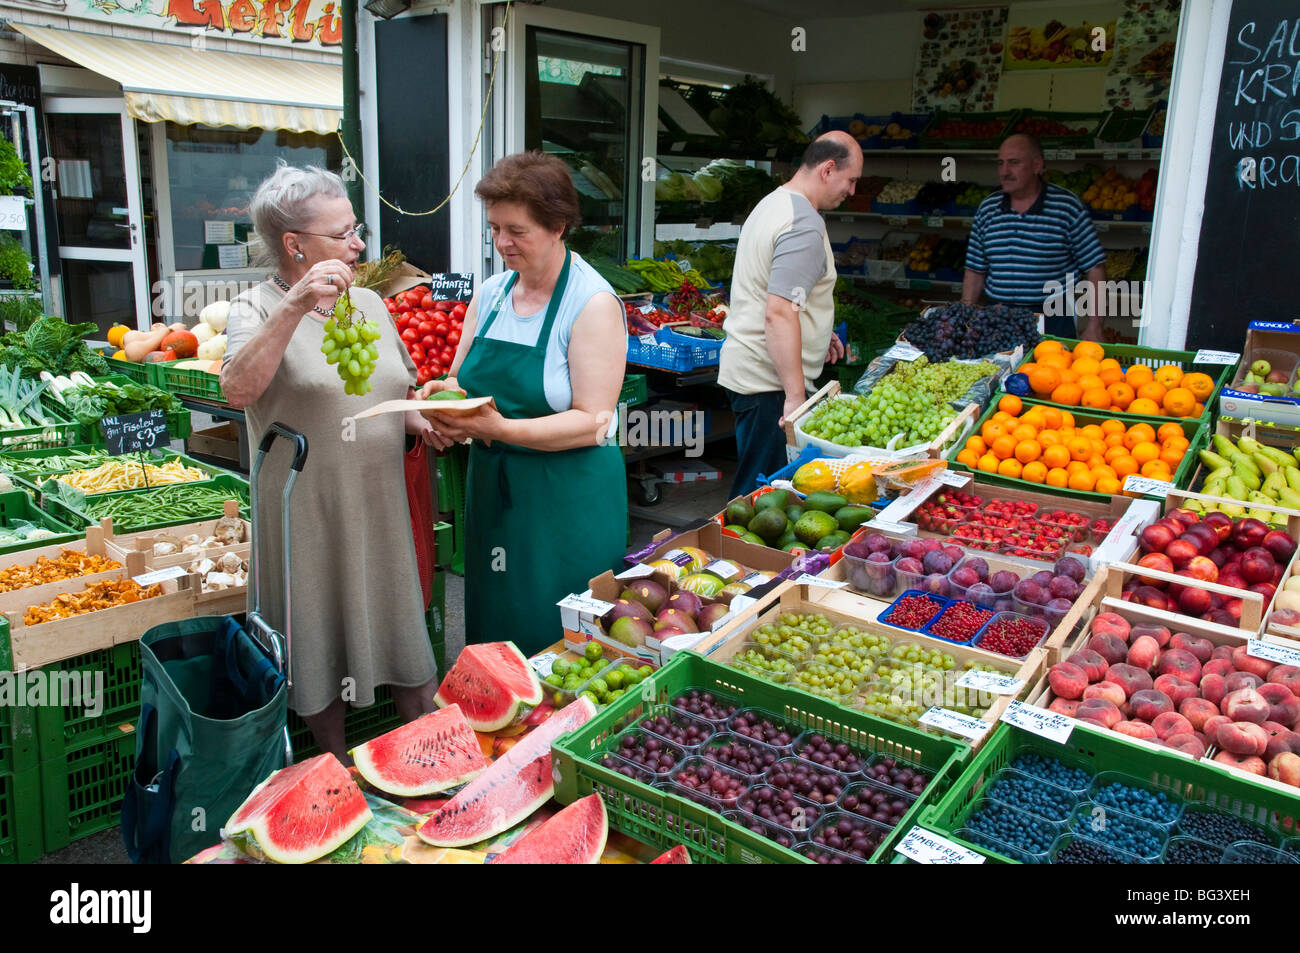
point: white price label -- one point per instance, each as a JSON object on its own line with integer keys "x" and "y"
{"x": 1272, "y": 653}
{"x": 684, "y": 264}
{"x": 585, "y": 604}
{"x": 542, "y": 663}
{"x": 991, "y": 682}
{"x": 13, "y": 213}
{"x": 1145, "y": 485}
{"x": 889, "y": 526}
{"x": 896, "y": 219}
{"x": 807, "y": 580}
{"x": 958, "y": 724}
{"x": 1039, "y": 721}
{"x": 954, "y": 479}
{"x": 904, "y": 352}
{"x": 639, "y": 571}
{"x": 1110, "y": 156}
{"x": 648, "y": 340}
{"x": 934, "y": 221}
{"x": 927, "y": 848}
{"x": 1216, "y": 357}
{"x": 1065, "y": 155}
{"x": 647, "y": 309}
{"x": 158, "y": 575}
{"x": 723, "y": 569}
{"x": 903, "y": 283}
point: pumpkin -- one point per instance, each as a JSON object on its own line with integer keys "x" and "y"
{"x": 184, "y": 343}
{"x": 157, "y": 357}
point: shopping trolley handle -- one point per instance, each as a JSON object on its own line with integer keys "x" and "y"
{"x": 299, "y": 443}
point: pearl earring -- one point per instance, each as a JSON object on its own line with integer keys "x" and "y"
{"x": 300, "y": 257}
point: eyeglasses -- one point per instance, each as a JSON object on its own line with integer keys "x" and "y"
{"x": 358, "y": 230}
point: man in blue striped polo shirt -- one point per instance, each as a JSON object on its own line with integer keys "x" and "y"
{"x": 1029, "y": 235}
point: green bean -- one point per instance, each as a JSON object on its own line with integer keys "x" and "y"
{"x": 164, "y": 504}
{"x": 54, "y": 463}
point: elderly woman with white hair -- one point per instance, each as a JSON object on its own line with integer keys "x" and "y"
{"x": 358, "y": 621}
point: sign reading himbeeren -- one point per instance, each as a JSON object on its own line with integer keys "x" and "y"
{"x": 310, "y": 23}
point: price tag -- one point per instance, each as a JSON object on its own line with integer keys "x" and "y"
{"x": 904, "y": 352}
{"x": 647, "y": 309}
{"x": 902, "y": 283}
{"x": 684, "y": 264}
{"x": 807, "y": 580}
{"x": 1065, "y": 155}
{"x": 158, "y": 575}
{"x": 1136, "y": 154}
{"x": 723, "y": 569}
{"x": 954, "y": 479}
{"x": 934, "y": 221}
{"x": 896, "y": 219}
{"x": 958, "y": 724}
{"x": 542, "y": 663}
{"x": 889, "y": 526}
{"x": 1110, "y": 156}
{"x": 1050, "y": 155}
{"x": 1102, "y": 226}
{"x": 451, "y": 286}
{"x": 1039, "y": 721}
{"x": 13, "y": 213}
{"x": 927, "y": 848}
{"x": 639, "y": 571}
{"x": 587, "y": 604}
{"x": 991, "y": 682}
{"x": 1216, "y": 357}
{"x": 133, "y": 433}
{"x": 1272, "y": 653}
{"x": 1145, "y": 485}
{"x": 647, "y": 339}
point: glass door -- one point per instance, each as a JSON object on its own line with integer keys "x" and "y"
{"x": 97, "y": 206}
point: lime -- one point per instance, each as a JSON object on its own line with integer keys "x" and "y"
{"x": 556, "y": 679}
{"x": 645, "y": 671}
{"x": 616, "y": 695}
{"x": 631, "y": 678}
{"x": 594, "y": 652}
{"x": 558, "y": 698}
{"x": 599, "y": 686}
{"x": 561, "y": 666}
{"x": 572, "y": 683}
{"x": 614, "y": 679}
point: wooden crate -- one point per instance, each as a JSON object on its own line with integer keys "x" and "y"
{"x": 230, "y": 601}
{"x": 221, "y": 441}
{"x": 120, "y": 546}
{"x": 1279, "y": 436}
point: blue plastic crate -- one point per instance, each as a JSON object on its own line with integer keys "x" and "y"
{"x": 673, "y": 352}
{"x": 912, "y": 121}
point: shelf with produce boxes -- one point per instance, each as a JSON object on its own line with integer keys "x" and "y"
{"x": 1026, "y": 788}
{"x": 1010, "y": 439}
{"x": 153, "y": 508}
{"x": 891, "y": 762}
{"x": 91, "y": 469}
{"x": 31, "y": 415}
{"x": 821, "y": 639}
{"x": 1184, "y": 689}
{"x": 23, "y": 527}
{"x": 129, "y": 399}
{"x": 1265, "y": 386}
{"x": 143, "y": 356}
{"x": 1251, "y": 462}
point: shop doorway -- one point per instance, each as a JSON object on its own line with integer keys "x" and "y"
{"x": 96, "y": 167}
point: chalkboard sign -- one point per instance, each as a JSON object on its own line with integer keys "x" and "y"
{"x": 451, "y": 287}
{"x": 1246, "y": 262}
{"x": 133, "y": 433}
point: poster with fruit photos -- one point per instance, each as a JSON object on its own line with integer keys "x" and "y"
{"x": 1142, "y": 68}
{"x": 959, "y": 61}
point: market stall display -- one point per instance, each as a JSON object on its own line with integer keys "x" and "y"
{"x": 493, "y": 685}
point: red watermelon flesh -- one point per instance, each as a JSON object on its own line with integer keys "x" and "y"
{"x": 302, "y": 812}
{"x": 435, "y": 752}
{"x": 492, "y": 683}
{"x": 576, "y": 835}
{"x": 513, "y": 786}
{"x": 678, "y": 855}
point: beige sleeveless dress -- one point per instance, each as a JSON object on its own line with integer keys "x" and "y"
{"x": 358, "y": 619}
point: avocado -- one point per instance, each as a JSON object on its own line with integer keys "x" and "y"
{"x": 795, "y": 547}
{"x": 786, "y": 539}
{"x": 832, "y": 541}
{"x": 739, "y": 512}
{"x": 777, "y": 498}
{"x": 793, "y": 512}
{"x": 737, "y": 528}
{"x": 852, "y": 516}
{"x": 814, "y": 525}
{"x": 825, "y": 502}
{"x": 753, "y": 538}
{"x": 768, "y": 523}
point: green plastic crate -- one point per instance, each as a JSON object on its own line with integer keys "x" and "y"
{"x": 1091, "y": 121}
{"x": 19, "y": 748}
{"x": 178, "y": 422}
{"x": 21, "y": 839}
{"x": 452, "y": 467}
{"x": 62, "y": 729}
{"x": 929, "y": 140}
{"x": 635, "y": 390}
{"x": 140, "y": 373}
{"x": 191, "y": 383}
{"x": 661, "y": 818}
{"x": 1196, "y": 431}
{"x": 58, "y": 434}
{"x": 990, "y": 857}
{"x": 1098, "y": 751}
{"x": 83, "y": 793}
{"x": 35, "y": 482}
{"x": 75, "y": 514}
{"x": 16, "y": 506}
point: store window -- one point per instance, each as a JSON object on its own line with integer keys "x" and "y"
{"x": 212, "y": 175}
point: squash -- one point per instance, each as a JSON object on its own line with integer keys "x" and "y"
{"x": 213, "y": 350}
{"x": 158, "y": 357}
{"x": 182, "y": 342}
{"x": 137, "y": 344}
{"x": 215, "y": 315}
{"x": 203, "y": 332}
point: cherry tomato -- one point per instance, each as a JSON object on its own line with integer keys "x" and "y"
{"x": 458, "y": 311}
{"x": 428, "y": 342}
{"x": 453, "y": 336}
{"x": 417, "y": 353}
{"x": 447, "y": 355}
{"x": 403, "y": 308}
{"x": 426, "y": 327}
{"x": 410, "y": 336}
{"x": 443, "y": 305}
{"x": 441, "y": 326}
{"x": 440, "y": 341}
{"x": 388, "y": 303}
{"x": 426, "y": 301}
{"x": 436, "y": 370}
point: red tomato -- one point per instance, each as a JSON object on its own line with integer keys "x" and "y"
{"x": 388, "y": 303}
{"x": 458, "y": 312}
{"x": 422, "y": 376}
{"x": 441, "y": 325}
{"x": 410, "y": 336}
{"x": 453, "y": 336}
{"x": 427, "y": 342}
{"x": 447, "y": 356}
{"x": 426, "y": 327}
{"x": 443, "y": 305}
{"x": 403, "y": 308}
{"x": 426, "y": 301}
{"x": 436, "y": 370}
{"x": 440, "y": 340}
{"x": 417, "y": 353}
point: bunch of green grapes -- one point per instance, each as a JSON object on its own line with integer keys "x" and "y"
{"x": 350, "y": 345}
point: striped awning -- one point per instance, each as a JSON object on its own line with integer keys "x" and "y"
{"x": 163, "y": 81}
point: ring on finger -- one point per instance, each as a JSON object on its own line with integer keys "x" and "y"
{"x": 329, "y": 279}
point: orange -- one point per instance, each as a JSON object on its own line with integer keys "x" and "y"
{"x": 1057, "y": 477}
{"x": 1107, "y": 484}
{"x": 1169, "y": 432}
{"x": 1113, "y": 426}
{"x": 1091, "y": 382}
{"x": 1002, "y": 417}
{"x": 1201, "y": 385}
{"x": 1111, "y": 375}
{"x": 1102, "y": 471}
{"x": 1005, "y": 446}
{"x": 1114, "y": 440}
{"x": 1069, "y": 376}
{"x": 1060, "y": 360}
{"x": 1156, "y": 470}
{"x": 1010, "y": 468}
{"x": 1080, "y": 448}
{"x": 1123, "y": 465}
{"x": 1137, "y": 375}
{"x": 1082, "y": 481}
{"x": 1179, "y": 402}
{"x": 1076, "y": 466}
{"x": 970, "y": 458}
{"x": 1024, "y": 432}
{"x": 1035, "y": 472}
{"x": 976, "y": 445}
{"x": 1011, "y": 404}
{"x": 1027, "y": 451}
{"x": 1109, "y": 364}
{"x": 1198, "y": 410}
{"x": 1086, "y": 366}
{"x": 1056, "y": 455}
{"x": 1170, "y": 375}
{"x": 988, "y": 463}
{"x": 1145, "y": 406}
{"x": 1067, "y": 418}
{"x": 1145, "y": 452}
{"x": 1035, "y": 417}
{"x": 1093, "y": 432}
{"x": 1067, "y": 394}
{"x": 1043, "y": 380}
{"x": 1089, "y": 350}
{"x": 1175, "y": 443}
{"x": 1153, "y": 390}
{"x": 1052, "y": 418}
{"x": 1096, "y": 397}
{"x": 1171, "y": 457}
{"x": 1043, "y": 348}
{"x": 1121, "y": 395}
{"x": 1048, "y": 437}
{"x": 1113, "y": 453}
{"x": 991, "y": 431}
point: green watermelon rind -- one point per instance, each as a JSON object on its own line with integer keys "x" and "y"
{"x": 506, "y": 776}
{"x": 369, "y": 757}
{"x": 544, "y": 844}
{"x": 514, "y": 711}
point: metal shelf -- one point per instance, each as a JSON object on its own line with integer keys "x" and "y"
{"x": 958, "y": 221}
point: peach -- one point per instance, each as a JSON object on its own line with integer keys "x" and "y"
{"x": 1171, "y": 723}
{"x": 1129, "y": 677}
{"x": 1136, "y": 729}
{"x": 1204, "y": 568}
{"x": 1064, "y": 706}
{"x": 1239, "y": 680}
{"x": 1187, "y": 743}
{"x": 1176, "y": 688}
{"x": 1181, "y": 551}
{"x": 1179, "y": 662}
{"x": 1194, "y": 602}
{"x": 1106, "y": 690}
{"x": 1284, "y": 708}
{"x": 1112, "y": 623}
{"x": 1155, "y": 538}
{"x": 1214, "y": 688}
{"x": 1248, "y": 663}
{"x": 1090, "y": 662}
{"x": 1222, "y": 652}
{"x": 1248, "y": 763}
{"x": 1203, "y": 649}
{"x": 1143, "y": 652}
{"x": 1288, "y": 675}
{"x": 1212, "y": 724}
{"x": 1109, "y": 646}
{"x": 1158, "y": 632}
{"x": 1197, "y": 711}
{"x": 1101, "y": 711}
{"x": 1246, "y": 704}
{"x": 1285, "y": 768}
{"x": 1280, "y": 743}
{"x": 1242, "y": 737}
{"x": 1067, "y": 680}
{"x": 1148, "y": 703}
{"x": 1218, "y": 666}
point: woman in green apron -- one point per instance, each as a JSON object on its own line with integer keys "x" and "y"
{"x": 546, "y": 495}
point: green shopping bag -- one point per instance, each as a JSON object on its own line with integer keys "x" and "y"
{"x": 212, "y": 727}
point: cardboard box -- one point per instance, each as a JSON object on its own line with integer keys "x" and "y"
{"x": 406, "y": 276}
{"x": 221, "y": 441}
{"x": 1279, "y": 344}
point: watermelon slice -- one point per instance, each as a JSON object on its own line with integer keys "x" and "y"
{"x": 301, "y": 813}
{"x": 425, "y": 756}
{"x": 576, "y": 835}
{"x": 515, "y": 785}
{"x": 678, "y": 855}
{"x": 493, "y": 684}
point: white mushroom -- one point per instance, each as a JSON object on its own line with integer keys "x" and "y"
{"x": 193, "y": 539}
{"x": 191, "y": 551}
{"x": 230, "y": 529}
{"x": 219, "y": 580}
{"x": 203, "y": 566}
{"x": 212, "y": 542}
{"x": 230, "y": 562}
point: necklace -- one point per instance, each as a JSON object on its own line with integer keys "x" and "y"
{"x": 284, "y": 285}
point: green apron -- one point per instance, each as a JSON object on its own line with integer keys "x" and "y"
{"x": 539, "y": 524}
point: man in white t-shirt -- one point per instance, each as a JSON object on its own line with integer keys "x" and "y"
{"x": 779, "y": 327}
